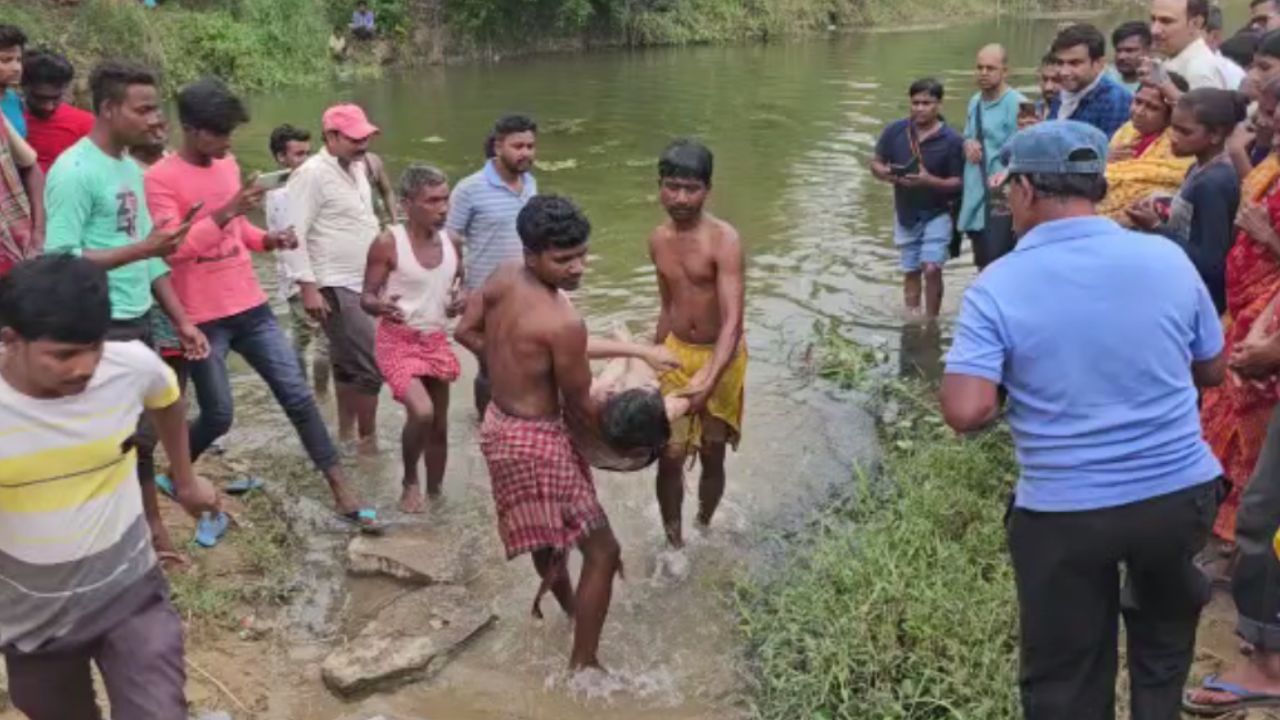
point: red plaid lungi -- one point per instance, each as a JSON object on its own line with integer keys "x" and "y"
{"x": 542, "y": 486}
{"x": 405, "y": 354}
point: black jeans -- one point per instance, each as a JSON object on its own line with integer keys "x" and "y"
{"x": 1255, "y": 584}
{"x": 1068, "y": 569}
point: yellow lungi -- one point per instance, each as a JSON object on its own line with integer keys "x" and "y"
{"x": 726, "y": 402}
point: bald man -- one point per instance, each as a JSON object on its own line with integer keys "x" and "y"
{"x": 992, "y": 120}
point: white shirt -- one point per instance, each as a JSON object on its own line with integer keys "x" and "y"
{"x": 276, "y": 207}
{"x": 1199, "y": 66}
{"x": 331, "y": 209}
{"x": 1232, "y": 74}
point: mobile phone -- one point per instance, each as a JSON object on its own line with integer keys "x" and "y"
{"x": 1158, "y": 75}
{"x": 1026, "y": 108}
{"x": 272, "y": 180}
{"x": 191, "y": 213}
{"x": 910, "y": 168}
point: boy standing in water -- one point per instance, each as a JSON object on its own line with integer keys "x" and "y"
{"x": 410, "y": 284}
{"x": 535, "y": 345}
{"x": 699, "y": 263}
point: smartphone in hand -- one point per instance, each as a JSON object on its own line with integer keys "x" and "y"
{"x": 272, "y": 180}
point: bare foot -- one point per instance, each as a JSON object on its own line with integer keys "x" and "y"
{"x": 368, "y": 445}
{"x": 411, "y": 499}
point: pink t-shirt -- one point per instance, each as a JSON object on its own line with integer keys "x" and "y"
{"x": 212, "y": 271}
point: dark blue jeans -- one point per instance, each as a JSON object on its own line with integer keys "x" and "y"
{"x": 256, "y": 336}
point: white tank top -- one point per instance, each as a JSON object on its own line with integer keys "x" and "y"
{"x": 424, "y": 294}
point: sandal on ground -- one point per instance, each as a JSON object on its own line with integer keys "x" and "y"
{"x": 1245, "y": 699}
{"x": 243, "y": 485}
{"x": 211, "y": 528}
{"x": 364, "y": 519}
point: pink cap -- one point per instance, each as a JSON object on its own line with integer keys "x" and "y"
{"x": 349, "y": 120}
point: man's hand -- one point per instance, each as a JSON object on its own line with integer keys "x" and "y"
{"x": 1255, "y": 359}
{"x": 247, "y": 199}
{"x": 199, "y": 497}
{"x": 1254, "y": 219}
{"x": 388, "y": 309}
{"x": 314, "y": 303}
{"x": 698, "y": 391}
{"x": 973, "y": 151}
{"x": 280, "y": 240}
{"x": 162, "y": 241}
{"x": 676, "y": 406}
{"x": 661, "y": 359}
{"x": 457, "y": 300}
{"x": 195, "y": 346}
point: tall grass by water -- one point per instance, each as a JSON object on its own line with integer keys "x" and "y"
{"x": 899, "y": 603}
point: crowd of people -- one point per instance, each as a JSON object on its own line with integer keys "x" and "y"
{"x": 127, "y": 279}
{"x": 1124, "y": 322}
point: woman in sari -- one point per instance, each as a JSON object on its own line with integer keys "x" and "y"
{"x": 1141, "y": 159}
{"x": 1235, "y": 414}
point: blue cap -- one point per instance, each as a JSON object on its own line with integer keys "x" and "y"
{"x": 1043, "y": 149}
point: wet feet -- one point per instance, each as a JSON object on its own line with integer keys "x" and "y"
{"x": 367, "y": 445}
{"x": 671, "y": 566}
{"x": 411, "y": 499}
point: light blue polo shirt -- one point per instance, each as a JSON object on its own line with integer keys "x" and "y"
{"x": 483, "y": 210}
{"x": 1093, "y": 329}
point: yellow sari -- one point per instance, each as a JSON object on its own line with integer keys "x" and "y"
{"x": 1128, "y": 181}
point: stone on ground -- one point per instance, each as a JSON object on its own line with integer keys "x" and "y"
{"x": 422, "y": 555}
{"x": 410, "y": 639}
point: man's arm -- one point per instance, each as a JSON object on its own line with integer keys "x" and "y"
{"x": 377, "y": 267}
{"x": 968, "y": 403}
{"x": 975, "y": 364}
{"x": 385, "y": 189}
{"x": 195, "y": 345}
{"x": 664, "y": 294}
{"x": 879, "y": 166}
{"x": 195, "y": 494}
{"x": 69, "y": 206}
{"x": 573, "y": 372}
{"x": 470, "y": 330}
{"x": 1210, "y": 373}
{"x": 33, "y": 181}
{"x": 731, "y": 296}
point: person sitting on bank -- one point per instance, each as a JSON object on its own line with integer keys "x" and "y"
{"x": 923, "y": 158}
{"x": 1088, "y": 95}
{"x": 363, "y": 25}
{"x": 1141, "y": 162}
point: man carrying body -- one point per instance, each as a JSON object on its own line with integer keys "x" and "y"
{"x": 1130, "y": 43}
{"x": 98, "y": 210}
{"x": 993, "y": 119}
{"x": 411, "y": 284}
{"x": 699, "y": 262}
{"x": 1177, "y": 30}
{"x": 1088, "y": 95}
{"x": 332, "y": 209}
{"x": 291, "y": 146}
{"x": 535, "y": 344}
{"x": 52, "y": 124}
{"x": 214, "y": 278}
{"x": 82, "y": 581}
{"x": 923, "y": 158}
{"x": 1103, "y": 410}
{"x": 483, "y": 210}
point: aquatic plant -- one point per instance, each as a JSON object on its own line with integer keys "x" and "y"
{"x": 900, "y": 602}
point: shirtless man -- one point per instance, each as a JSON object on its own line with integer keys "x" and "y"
{"x": 535, "y": 345}
{"x": 699, "y": 264}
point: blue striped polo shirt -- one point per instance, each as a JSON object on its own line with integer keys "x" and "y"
{"x": 483, "y": 211}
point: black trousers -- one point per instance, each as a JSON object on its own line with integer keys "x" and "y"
{"x": 1255, "y": 583}
{"x": 1068, "y": 572}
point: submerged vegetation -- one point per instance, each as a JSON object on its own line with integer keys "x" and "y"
{"x": 900, "y": 602}
{"x": 257, "y": 44}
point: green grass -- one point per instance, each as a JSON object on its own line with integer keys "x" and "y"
{"x": 900, "y": 603}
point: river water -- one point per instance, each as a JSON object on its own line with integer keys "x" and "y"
{"x": 792, "y": 126}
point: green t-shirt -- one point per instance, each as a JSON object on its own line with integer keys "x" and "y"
{"x": 96, "y": 202}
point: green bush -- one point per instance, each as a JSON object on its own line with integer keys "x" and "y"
{"x": 901, "y": 603}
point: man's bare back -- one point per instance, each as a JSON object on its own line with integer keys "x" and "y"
{"x": 524, "y": 323}
{"x": 689, "y": 263}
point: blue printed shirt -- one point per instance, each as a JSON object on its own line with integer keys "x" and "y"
{"x": 1093, "y": 329}
{"x": 1106, "y": 107}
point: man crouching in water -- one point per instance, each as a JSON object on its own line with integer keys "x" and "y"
{"x": 535, "y": 345}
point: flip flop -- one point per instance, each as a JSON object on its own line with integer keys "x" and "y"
{"x": 242, "y": 485}
{"x": 364, "y": 519}
{"x": 165, "y": 485}
{"x": 1246, "y": 699}
{"x": 211, "y": 528}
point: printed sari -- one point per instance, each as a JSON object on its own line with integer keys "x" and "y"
{"x": 1153, "y": 170}
{"x": 1235, "y": 415}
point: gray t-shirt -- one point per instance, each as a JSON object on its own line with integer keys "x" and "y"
{"x": 483, "y": 211}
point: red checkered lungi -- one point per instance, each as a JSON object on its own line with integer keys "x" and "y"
{"x": 405, "y": 354}
{"x": 542, "y": 485}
